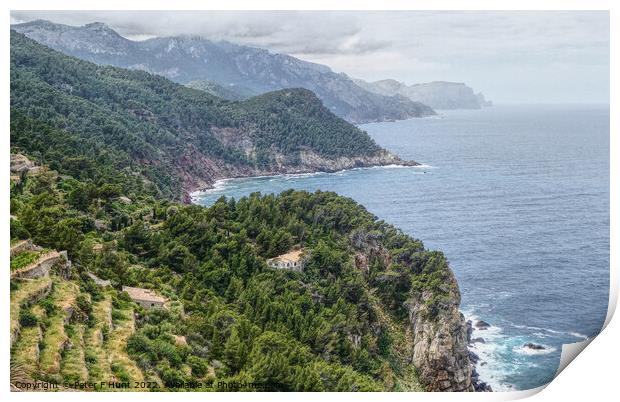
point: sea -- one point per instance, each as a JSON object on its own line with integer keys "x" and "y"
{"x": 517, "y": 197}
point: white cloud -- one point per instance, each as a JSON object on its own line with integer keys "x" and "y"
{"x": 483, "y": 49}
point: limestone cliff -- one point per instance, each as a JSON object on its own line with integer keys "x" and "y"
{"x": 437, "y": 94}
{"x": 437, "y": 332}
{"x": 440, "y": 341}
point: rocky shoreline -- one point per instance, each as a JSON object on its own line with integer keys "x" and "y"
{"x": 309, "y": 163}
{"x": 481, "y": 326}
{"x": 478, "y": 384}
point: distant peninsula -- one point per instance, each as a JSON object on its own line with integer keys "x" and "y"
{"x": 436, "y": 94}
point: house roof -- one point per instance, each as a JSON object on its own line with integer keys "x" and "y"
{"x": 291, "y": 256}
{"x": 143, "y": 294}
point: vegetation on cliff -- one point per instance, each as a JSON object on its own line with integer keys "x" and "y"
{"x": 114, "y": 149}
{"x": 162, "y": 134}
{"x": 225, "y": 69}
{"x": 339, "y": 325}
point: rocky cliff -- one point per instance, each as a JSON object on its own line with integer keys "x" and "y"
{"x": 437, "y": 331}
{"x": 440, "y": 343}
{"x": 309, "y": 162}
{"x": 437, "y": 94}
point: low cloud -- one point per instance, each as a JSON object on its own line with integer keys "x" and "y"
{"x": 473, "y": 47}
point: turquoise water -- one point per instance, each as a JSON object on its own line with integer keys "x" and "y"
{"x": 518, "y": 199}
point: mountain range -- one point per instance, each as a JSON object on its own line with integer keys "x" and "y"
{"x": 243, "y": 70}
{"x": 174, "y": 138}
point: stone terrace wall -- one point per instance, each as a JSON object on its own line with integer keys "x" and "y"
{"x": 21, "y": 246}
{"x": 39, "y": 268}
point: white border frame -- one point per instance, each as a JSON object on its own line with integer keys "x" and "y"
{"x": 594, "y": 376}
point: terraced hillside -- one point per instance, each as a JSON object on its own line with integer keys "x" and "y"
{"x": 60, "y": 335}
{"x": 63, "y": 334}
{"x": 358, "y": 317}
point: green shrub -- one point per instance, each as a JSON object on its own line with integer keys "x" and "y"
{"x": 117, "y": 315}
{"x": 120, "y": 372}
{"x": 105, "y": 333}
{"x": 24, "y": 259}
{"x": 27, "y": 319}
{"x": 138, "y": 343}
{"x": 83, "y": 303}
{"x": 90, "y": 357}
{"x": 199, "y": 366}
{"x": 384, "y": 343}
{"x": 49, "y": 306}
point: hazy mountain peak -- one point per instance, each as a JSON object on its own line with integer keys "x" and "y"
{"x": 189, "y": 58}
{"x": 388, "y": 81}
{"x": 442, "y": 83}
{"x": 41, "y": 23}
{"x": 98, "y": 26}
{"x": 89, "y": 41}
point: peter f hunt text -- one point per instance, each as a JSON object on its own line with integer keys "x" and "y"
{"x": 109, "y": 385}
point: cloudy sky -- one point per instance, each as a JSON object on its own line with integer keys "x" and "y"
{"x": 511, "y": 56}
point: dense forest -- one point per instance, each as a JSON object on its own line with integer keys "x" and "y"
{"x": 163, "y": 133}
{"x": 341, "y": 324}
{"x": 98, "y": 211}
{"x": 231, "y": 92}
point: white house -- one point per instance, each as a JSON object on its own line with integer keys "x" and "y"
{"x": 145, "y": 297}
{"x": 293, "y": 260}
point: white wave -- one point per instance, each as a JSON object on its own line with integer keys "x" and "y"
{"x": 491, "y": 330}
{"x": 217, "y": 186}
{"x": 578, "y": 335}
{"x": 293, "y": 176}
{"x": 391, "y": 166}
{"x": 494, "y": 370}
{"x": 225, "y": 184}
{"x": 531, "y": 352}
{"x": 395, "y": 166}
{"x": 551, "y": 331}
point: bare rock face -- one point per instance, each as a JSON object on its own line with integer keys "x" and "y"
{"x": 482, "y": 325}
{"x": 308, "y": 162}
{"x": 533, "y": 346}
{"x": 440, "y": 337}
{"x": 314, "y": 162}
{"x": 440, "y": 343}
